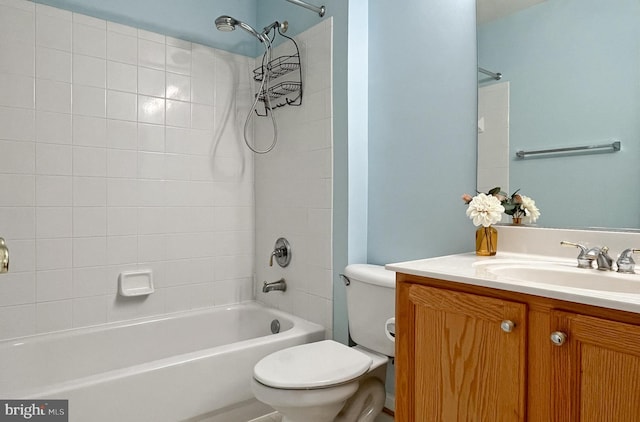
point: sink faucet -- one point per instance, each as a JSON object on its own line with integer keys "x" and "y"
{"x": 625, "y": 262}
{"x": 603, "y": 260}
{"x": 279, "y": 285}
{"x": 601, "y": 256}
{"x": 4, "y": 257}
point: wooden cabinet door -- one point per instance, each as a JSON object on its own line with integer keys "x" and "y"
{"x": 454, "y": 361}
{"x": 596, "y": 372}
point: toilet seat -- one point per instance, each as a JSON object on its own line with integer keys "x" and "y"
{"x": 313, "y": 365}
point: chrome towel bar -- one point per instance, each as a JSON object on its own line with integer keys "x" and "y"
{"x": 612, "y": 147}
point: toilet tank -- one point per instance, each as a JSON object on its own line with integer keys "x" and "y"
{"x": 371, "y": 302}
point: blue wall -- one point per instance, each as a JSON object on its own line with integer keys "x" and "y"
{"x": 358, "y": 129}
{"x": 191, "y": 20}
{"x": 574, "y": 72}
{"x": 422, "y": 128}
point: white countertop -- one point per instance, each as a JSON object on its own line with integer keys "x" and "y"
{"x": 463, "y": 268}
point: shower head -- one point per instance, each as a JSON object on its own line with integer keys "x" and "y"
{"x": 227, "y": 24}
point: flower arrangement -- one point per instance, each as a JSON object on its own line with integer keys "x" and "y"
{"x": 483, "y": 209}
{"x": 517, "y": 206}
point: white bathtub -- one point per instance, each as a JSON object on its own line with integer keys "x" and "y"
{"x": 193, "y": 366}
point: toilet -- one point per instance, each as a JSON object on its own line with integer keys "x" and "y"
{"x": 327, "y": 381}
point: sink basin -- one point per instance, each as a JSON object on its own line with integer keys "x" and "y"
{"x": 562, "y": 274}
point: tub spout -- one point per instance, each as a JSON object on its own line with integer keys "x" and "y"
{"x": 4, "y": 257}
{"x": 279, "y": 285}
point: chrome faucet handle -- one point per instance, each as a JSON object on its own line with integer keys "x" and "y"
{"x": 4, "y": 257}
{"x": 282, "y": 252}
{"x": 278, "y": 253}
{"x": 604, "y": 261}
{"x": 625, "y": 262}
{"x": 586, "y": 257}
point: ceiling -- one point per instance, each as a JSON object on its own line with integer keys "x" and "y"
{"x": 489, "y": 10}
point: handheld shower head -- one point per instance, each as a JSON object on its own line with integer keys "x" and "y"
{"x": 227, "y": 24}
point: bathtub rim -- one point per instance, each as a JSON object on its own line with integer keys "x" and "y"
{"x": 150, "y": 319}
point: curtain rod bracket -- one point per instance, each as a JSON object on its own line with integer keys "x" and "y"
{"x": 497, "y": 76}
{"x": 319, "y": 10}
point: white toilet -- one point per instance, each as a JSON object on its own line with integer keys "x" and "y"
{"x": 328, "y": 381}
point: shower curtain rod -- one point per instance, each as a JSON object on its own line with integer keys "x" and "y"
{"x": 496, "y": 76}
{"x": 319, "y": 10}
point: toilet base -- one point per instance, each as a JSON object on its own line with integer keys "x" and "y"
{"x": 354, "y": 402}
{"x": 319, "y": 405}
{"x": 366, "y": 404}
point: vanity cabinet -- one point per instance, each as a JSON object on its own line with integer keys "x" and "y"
{"x": 454, "y": 344}
{"x": 469, "y": 353}
{"x": 596, "y": 373}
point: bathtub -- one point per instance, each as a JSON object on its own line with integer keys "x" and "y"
{"x": 194, "y": 366}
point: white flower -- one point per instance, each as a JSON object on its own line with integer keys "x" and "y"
{"x": 485, "y": 210}
{"x": 531, "y": 212}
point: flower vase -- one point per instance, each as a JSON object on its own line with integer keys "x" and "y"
{"x": 486, "y": 241}
{"x": 516, "y": 221}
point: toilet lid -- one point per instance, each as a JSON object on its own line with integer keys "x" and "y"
{"x": 312, "y": 365}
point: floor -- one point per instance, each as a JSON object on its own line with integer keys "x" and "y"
{"x": 275, "y": 417}
{"x": 384, "y": 418}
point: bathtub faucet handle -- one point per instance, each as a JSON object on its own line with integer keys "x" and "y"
{"x": 4, "y": 257}
{"x": 275, "y": 252}
{"x": 282, "y": 252}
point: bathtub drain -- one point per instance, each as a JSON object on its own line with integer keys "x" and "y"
{"x": 275, "y": 326}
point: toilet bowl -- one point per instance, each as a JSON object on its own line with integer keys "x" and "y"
{"x": 327, "y": 381}
{"x": 322, "y": 382}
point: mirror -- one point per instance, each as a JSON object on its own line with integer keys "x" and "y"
{"x": 571, "y": 77}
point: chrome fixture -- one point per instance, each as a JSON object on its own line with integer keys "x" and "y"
{"x": 507, "y": 325}
{"x": 494, "y": 75}
{"x": 319, "y": 10}
{"x": 282, "y": 252}
{"x": 345, "y": 279}
{"x": 4, "y": 257}
{"x": 603, "y": 260}
{"x": 586, "y": 257}
{"x": 279, "y": 285}
{"x": 558, "y": 338}
{"x": 611, "y": 147}
{"x": 275, "y": 326}
{"x": 625, "y": 262}
{"x": 226, "y": 23}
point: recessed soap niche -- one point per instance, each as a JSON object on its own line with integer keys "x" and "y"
{"x": 135, "y": 283}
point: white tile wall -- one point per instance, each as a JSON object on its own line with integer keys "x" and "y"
{"x": 110, "y": 161}
{"x": 294, "y": 188}
{"x": 493, "y": 142}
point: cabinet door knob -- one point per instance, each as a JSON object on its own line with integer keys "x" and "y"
{"x": 558, "y": 338}
{"x": 507, "y": 325}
